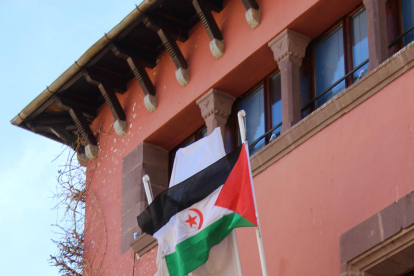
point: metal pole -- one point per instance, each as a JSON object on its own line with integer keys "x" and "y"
{"x": 148, "y": 190}
{"x": 236, "y": 252}
{"x": 242, "y": 128}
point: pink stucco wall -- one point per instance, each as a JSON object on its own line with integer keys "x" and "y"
{"x": 352, "y": 169}
{"x": 175, "y": 118}
{"x": 346, "y": 173}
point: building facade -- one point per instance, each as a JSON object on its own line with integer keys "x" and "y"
{"x": 327, "y": 88}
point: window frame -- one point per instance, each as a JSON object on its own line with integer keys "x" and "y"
{"x": 395, "y": 28}
{"x": 309, "y": 62}
{"x": 232, "y": 127}
{"x": 393, "y": 13}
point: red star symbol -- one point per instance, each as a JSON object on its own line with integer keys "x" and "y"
{"x": 191, "y": 220}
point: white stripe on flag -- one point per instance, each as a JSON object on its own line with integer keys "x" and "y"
{"x": 178, "y": 230}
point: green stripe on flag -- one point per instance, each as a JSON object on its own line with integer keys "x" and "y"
{"x": 194, "y": 251}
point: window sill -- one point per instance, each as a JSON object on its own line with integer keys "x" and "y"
{"x": 338, "y": 106}
{"x": 143, "y": 244}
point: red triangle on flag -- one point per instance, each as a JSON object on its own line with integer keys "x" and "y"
{"x": 236, "y": 193}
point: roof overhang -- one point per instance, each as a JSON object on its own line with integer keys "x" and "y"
{"x": 66, "y": 108}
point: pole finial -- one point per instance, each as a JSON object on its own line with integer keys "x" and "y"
{"x": 242, "y": 126}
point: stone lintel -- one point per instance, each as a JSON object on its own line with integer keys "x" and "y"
{"x": 215, "y": 108}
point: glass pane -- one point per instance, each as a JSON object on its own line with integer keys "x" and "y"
{"x": 408, "y": 19}
{"x": 255, "y": 127}
{"x": 359, "y": 42}
{"x": 276, "y": 100}
{"x": 203, "y": 133}
{"x": 329, "y": 65}
{"x": 192, "y": 140}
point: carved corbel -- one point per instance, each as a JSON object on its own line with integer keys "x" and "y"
{"x": 91, "y": 148}
{"x": 252, "y": 13}
{"x": 150, "y": 100}
{"x": 215, "y": 108}
{"x": 112, "y": 101}
{"x": 172, "y": 48}
{"x": 213, "y": 31}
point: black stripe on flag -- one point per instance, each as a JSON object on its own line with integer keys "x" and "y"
{"x": 185, "y": 194}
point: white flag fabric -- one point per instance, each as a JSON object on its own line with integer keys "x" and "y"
{"x": 188, "y": 161}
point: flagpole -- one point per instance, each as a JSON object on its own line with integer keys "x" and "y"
{"x": 236, "y": 252}
{"x": 241, "y": 114}
{"x": 148, "y": 190}
{"x": 150, "y": 198}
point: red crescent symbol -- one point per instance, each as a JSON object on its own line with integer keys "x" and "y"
{"x": 200, "y": 215}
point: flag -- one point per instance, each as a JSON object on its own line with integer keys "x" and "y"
{"x": 193, "y": 216}
{"x": 224, "y": 257}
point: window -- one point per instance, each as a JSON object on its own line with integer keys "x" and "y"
{"x": 337, "y": 59}
{"x": 263, "y": 106}
{"x": 400, "y": 24}
{"x": 200, "y": 133}
{"x": 407, "y": 7}
{"x": 329, "y": 65}
{"x": 359, "y": 43}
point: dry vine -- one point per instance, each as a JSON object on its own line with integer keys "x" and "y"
{"x": 71, "y": 193}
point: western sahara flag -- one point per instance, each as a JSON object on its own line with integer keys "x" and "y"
{"x": 189, "y": 218}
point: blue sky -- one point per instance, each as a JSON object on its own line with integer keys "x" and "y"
{"x": 38, "y": 41}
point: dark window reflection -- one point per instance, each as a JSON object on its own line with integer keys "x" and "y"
{"x": 255, "y": 123}
{"x": 408, "y": 20}
{"x": 329, "y": 65}
{"x": 276, "y": 100}
{"x": 359, "y": 43}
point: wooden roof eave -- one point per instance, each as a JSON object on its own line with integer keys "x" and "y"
{"x": 125, "y": 24}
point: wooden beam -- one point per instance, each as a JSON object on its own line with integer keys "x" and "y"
{"x": 171, "y": 46}
{"x": 215, "y": 5}
{"x": 40, "y": 109}
{"x": 207, "y": 19}
{"x": 147, "y": 58}
{"x": 167, "y": 39}
{"x": 250, "y": 4}
{"x": 175, "y": 31}
{"x": 64, "y": 135}
{"x": 173, "y": 21}
{"x": 150, "y": 100}
{"x": 252, "y": 13}
{"x": 137, "y": 69}
{"x": 79, "y": 74}
{"x": 66, "y": 104}
{"x": 213, "y": 31}
{"x": 85, "y": 132}
{"x": 48, "y": 134}
{"x": 83, "y": 127}
{"x": 95, "y": 75}
{"x": 70, "y": 140}
{"x": 51, "y": 119}
{"x": 112, "y": 101}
